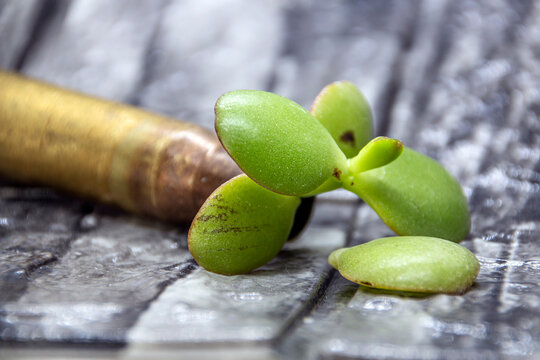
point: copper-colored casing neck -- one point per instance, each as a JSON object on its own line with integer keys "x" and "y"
{"x": 114, "y": 153}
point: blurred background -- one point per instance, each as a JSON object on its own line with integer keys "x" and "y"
{"x": 456, "y": 80}
{"x": 178, "y": 57}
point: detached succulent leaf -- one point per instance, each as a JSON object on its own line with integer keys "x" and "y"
{"x": 277, "y": 143}
{"x": 345, "y": 113}
{"x": 240, "y": 227}
{"x": 415, "y": 195}
{"x": 409, "y": 263}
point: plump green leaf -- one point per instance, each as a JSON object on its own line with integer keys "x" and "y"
{"x": 277, "y": 143}
{"x": 408, "y": 263}
{"x": 378, "y": 152}
{"x": 415, "y": 195}
{"x": 240, "y": 227}
{"x": 345, "y": 113}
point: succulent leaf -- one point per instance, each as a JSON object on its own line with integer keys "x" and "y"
{"x": 240, "y": 227}
{"x": 277, "y": 143}
{"x": 345, "y": 113}
{"x": 408, "y": 263}
{"x": 378, "y": 152}
{"x": 415, "y": 195}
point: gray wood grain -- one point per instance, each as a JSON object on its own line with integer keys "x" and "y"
{"x": 457, "y": 80}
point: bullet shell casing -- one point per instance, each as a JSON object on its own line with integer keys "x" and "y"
{"x": 110, "y": 152}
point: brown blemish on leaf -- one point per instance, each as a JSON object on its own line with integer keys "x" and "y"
{"x": 337, "y": 173}
{"x": 247, "y": 247}
{"x": 397, "y": 144}
{"x": 365, "y": 283}
{"x": 242, "y": 248}
{"x": 347, "y": 137}
{"x": 234, "y": 229}
{"x": 219, "y": 217}
{"x": 224, "y": 208}
{"x": 218, "y": 197}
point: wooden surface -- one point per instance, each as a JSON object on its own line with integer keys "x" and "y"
{"x": 456, "y": 80}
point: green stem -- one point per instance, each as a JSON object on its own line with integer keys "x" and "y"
{"x": 331, "y": 184}
{"x": 352, "y": 184}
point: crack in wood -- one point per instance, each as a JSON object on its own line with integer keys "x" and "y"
{"x": 320, "y": 290}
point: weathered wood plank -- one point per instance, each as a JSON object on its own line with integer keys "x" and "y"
{"x": 97, "y": 47}
{"x": 456, "y": 80}
{"x": 36, "y": 227}
{"x": 97, "y": 289}
{"x": 211, "y": 308}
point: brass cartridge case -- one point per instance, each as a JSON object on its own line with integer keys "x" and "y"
{"x": 113, "y": 153}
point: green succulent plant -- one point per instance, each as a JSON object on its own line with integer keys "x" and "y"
{"x": 289, "y": 153}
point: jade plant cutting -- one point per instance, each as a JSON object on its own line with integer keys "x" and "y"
{"x": 289, "y": 153}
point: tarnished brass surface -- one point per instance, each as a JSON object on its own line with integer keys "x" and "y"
{"x": 114, "y": 153}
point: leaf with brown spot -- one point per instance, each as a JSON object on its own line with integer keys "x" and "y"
{"x": 348, "y": 137}
{"x": 244, "y": 231}
{"x": 220, "y": 217}
{"x": 342, "y": 109}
